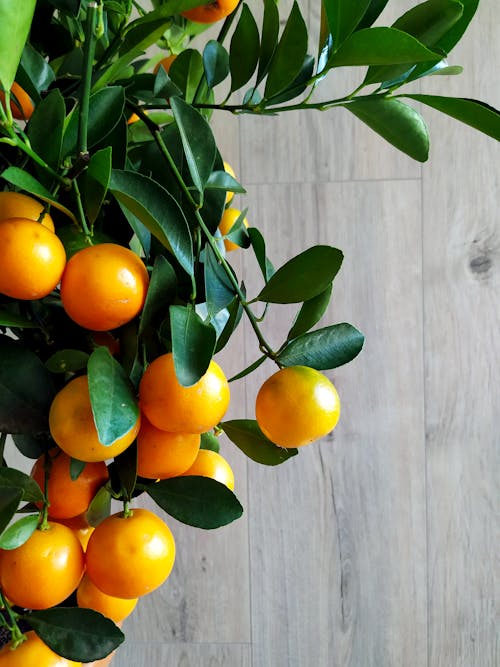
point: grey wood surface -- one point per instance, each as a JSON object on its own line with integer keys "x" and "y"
{"x": 375, "y": 547}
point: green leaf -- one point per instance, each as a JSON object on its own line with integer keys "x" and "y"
{"x": 186, "y": 72}
{"x": 244, "y": 50}
{"x": 304, "y": 276}
{"x": 215, "y": 63}
{"x": 374, "y": 10}
{"x": 343, "y": 17}
{"x": 197, "y": 140}
{"x": 67, "y": 361}
{"x": 247, "y": 436}
{"x": 15, "y": 479}
{"x": 238, "y": 231}
{"x": 100, "y": 507}
{"x": 13, "y": 320}
{"x": 96, "y": 182}
{"x": 19, "y": 532}
{"x": 10, "y": 498}
{"x": 34, "y": 73}
{"x": 70, "y": 6}
{"x": 477, "y": 114}
{"x": 31, "y": 446}
{"x": 453, "y": 36}
{"x": 235, "y": 310}
{"x": 219, "y": 292}
{"x": 325, "y": 348}
{"x": 310, "y": 313}
{"x": 193, "y": 344}
{"x": 125, "y": 467}
{"x": 289, "y": 55}
{"x": 197, "y": 501}
{"x": 50, "y": 112}
{"x": 82, "y": 635}
{"x": 259, "y": 247}
{"x": 157, "y": 210}
{"x": 380, "y": 46}
{"x": 15, "y": 23}
{"x": 221, "y": 180}
{"x": 26, "y": 389}
{"x": 269, "y": 39}
{"x": 164, "y": 87}
{"x": 397, "y": 123}
{"x": 209, "y": 441}
{"x": 298, "y": 85}
{"x": 76, "y": 468}
{"x": 112, "y": 398}
{"x": 249, "y": 369}
{"x": 161, "y": 293}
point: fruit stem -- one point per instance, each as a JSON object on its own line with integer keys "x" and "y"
{"x": 88, "y": 58}
{"x": 127, "y": 510}
{"x": 17, "y": 636}
{"x": 81, "y": 213}
{"x": 47, "y": 464}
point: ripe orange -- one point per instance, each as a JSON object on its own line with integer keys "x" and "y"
{"x": 230, "y": 171}
{"x": 72, "y": 425}
{"x": 171, "y": 407}
{"x": 113, "y": 282}
{"x": 43, "y": 571}
{"x": 130, "y": 556}
{"x": 68, "y": 498}
{"x": 166, "y": 63}
{"x": 80, "y": 527}
{"x": 212, "y": 12}
{"x": 161, "y": 454}
{"x": 296, "y": 406}
{"x": 211, "y": 464}
{"x": 90, "y": 597}
{"x": 228, "y": 219}
{"x": 32, "y": 259}
{"x": 17, "y": 205}
{"x": 33, "y": 653}
{"x": 21, "y": 105}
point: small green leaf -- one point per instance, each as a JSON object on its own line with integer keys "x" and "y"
{"x": 247, "y": 436}
{"x": 125, "y": 468}
{"x": 112, "y": 398}
{"x": 235, "y": 310}
{"x": 193, "y": 344}
{"x": 186, "y": 72}
{"x": 304, "y": 276}
{"x": 245, "y": 49}
{"x": 19, "y": 532}
{"x": 215, "y": 63}
{"x": 298, "y": 85}
{"x": 209, "y": 441}
{"x": 325, "y": 348}
{"x": 343, "y": 17}
{"x": 396, "y": 122}
{"x": 100, "y": 507}
{"x": 50, "y": 112}
{"x": 76, "y": 468}
{"x": 34, "y": 73}
{"x": 259, "y": 247}
{"x": 164, "y": 87}
{"x": 249, "y": 369}
{"x": 269, "y": 40}
{"x": 10, "y": 498}
{"x": 96, "y": 182}
{"x": 221, "y": 180}
{"x": 13, "y": 320}
{"x": 310, "y": 313}
{"x": 82, "y": 635}
{"x": 67, "y": 361}
{"x": 15, "y": 23}
{"x": 15, "y": 479}
{"x": 161, "y": 293}
{"x": 219, "y": 291}
{"x": 197, "y": 501}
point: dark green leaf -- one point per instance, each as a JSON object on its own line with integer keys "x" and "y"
{"x": 259, "y": 247}
{"x": 453, "y": 36}
{"x": 197, "y": 501}
{"x": 324, "y": 348}
{"x": 164, "y": 86}
{"x": 10, "y": 498}
{"x": 13, "y": 320}
{"x": 310, "y": 313}
{"x": 197, "y": 140}
{"x": 112, "y": 398}
{"x": 15, "y": 22}
{"x": 161, "y": 293}
{"x": 74, "y": 239}
{"x": 34, "y": 73}
{"x": 343, "y": 17}
{"x": 298, "y": 85}
{"x": 247, "y": 436}
{"x": 186, "y": 72}
{"x": 139, "y": 228}
{"x": 221, "y": 180}
{"x": 289, "y": 55}
{"x": 374, "y": 10}
{"x": 31, "y": 446}
{"x": 67, "y": 361}
{"x": 49, "y": 113}
{"x": 193, "y": 344}
{"x": 249, "y": 369}
{"x": 219, "y": 291}
{"x": 157, "y": 210}
{"x": 304, "y": 276}
{"x": 125, "y": 466}
{"x": 477, "y": 114}
{"x": 70, "y": 6}
{"x": 215, "y": 63}
{"x": 15, "y": 479}
{"x": 270, "y": 30}
{"x": 83, "y": 635}
{"x": 397, "y": 123}
{"x": 76, "y": 468}
{"x": 19, "y": 532}
{"x": 238, "y": 231}
{"x": 244, "y": 50}
{"x": 26, "y": 389}
{"x": 100, "y": 507}
{"x": 96, "y": 182}
{"x": 235, "y": 310}
{"x": 209, "y": 441}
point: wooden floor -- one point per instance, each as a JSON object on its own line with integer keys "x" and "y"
{"x": 375, "y": 547}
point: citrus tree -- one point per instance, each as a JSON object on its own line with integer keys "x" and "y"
{"x": 117, "y": 289}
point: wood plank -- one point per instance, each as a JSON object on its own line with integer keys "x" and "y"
{"x": 180, "y": 655}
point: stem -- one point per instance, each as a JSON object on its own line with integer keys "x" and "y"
{"x": 17, "y": 636}
{"x": 81, "y": 213}
{"x": 88, "y": 58}
{"x": 127, "y": 510}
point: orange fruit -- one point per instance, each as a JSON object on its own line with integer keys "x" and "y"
{"x": 228, "y": 219}
{"x": 33, "y": 653}
{"x": 80, "y": 527}
{"x": 44, "y": 570}
{"x": 161, "y": 454}
{"x": 130, "y": 556}
{"x": 171, "y": 407}
{"x": 18, "y": 205}
{"x": 21, "y": 105}
{"x": 67, "y": 497}
{"x": 212, "y": 12}
{"x": 211, "y": 464}
{"x": 132, "y": 119}
{"x": 296, "y": 406}
{"x": 230, "y": 171}
{"x": 114, "y": 282}
{"x": 72, "y": 425}
{"x": 166, "y": 63}
{"x": 32, "y": 259}
{"x": 90, "y": 597}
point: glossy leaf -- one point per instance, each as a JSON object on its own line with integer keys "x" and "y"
{"x": 477, "y": 114}
{"x": 219, "y": 291}
{"x": 375, "y": 8}
{"x": 99, "y": 508}
{"x": 82, "y": 635}
{"x": 13, "y": 320}
{"x": 161, "y": 293}
{"x": 343, "y": 17}
{"x": 50, "y": 112}
{"x": 289, "y": 55}
{"x": 304, "y": 276}
{"x": 324, "y": 348}
{"x": 112, "y": 398}
{"x": 197, "y": 140}
{"x": 34, "y": 73}
{"x": 10, "y": 498}
{"x": 247, "y": 436}
{"x": 193, "y": 344}
{"x": 453, "y": 36}
{"x": 269, "y": 39}
{"x": 31, "y": 446}
{"x": 76, "y": 468}
{"x": 157, "y": 210}
{"x": 125, "y": 468}
{"x": 310, "y": 313}
{"x": 19, "y": 532}
{"x": 245, "y": 49}
{"x": 259, "y": 247}
{"x": 197, "y": 501}
{"x": 67, "y": 361}
{"x": 15, "y": 22}
{"x": 96, "y": 182}
{"x": 209, "y": 441}
{"x": 397, "y": 123}
{"x": 298, "y": 85}
{"x": 164, "y": 86}
{"x": 186, "y": 72}
{"x": 221, "y": 180}
{"x": 235, "y": 311}
{"x": 15, "y": 479}
{"x": 215, "y": 63}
